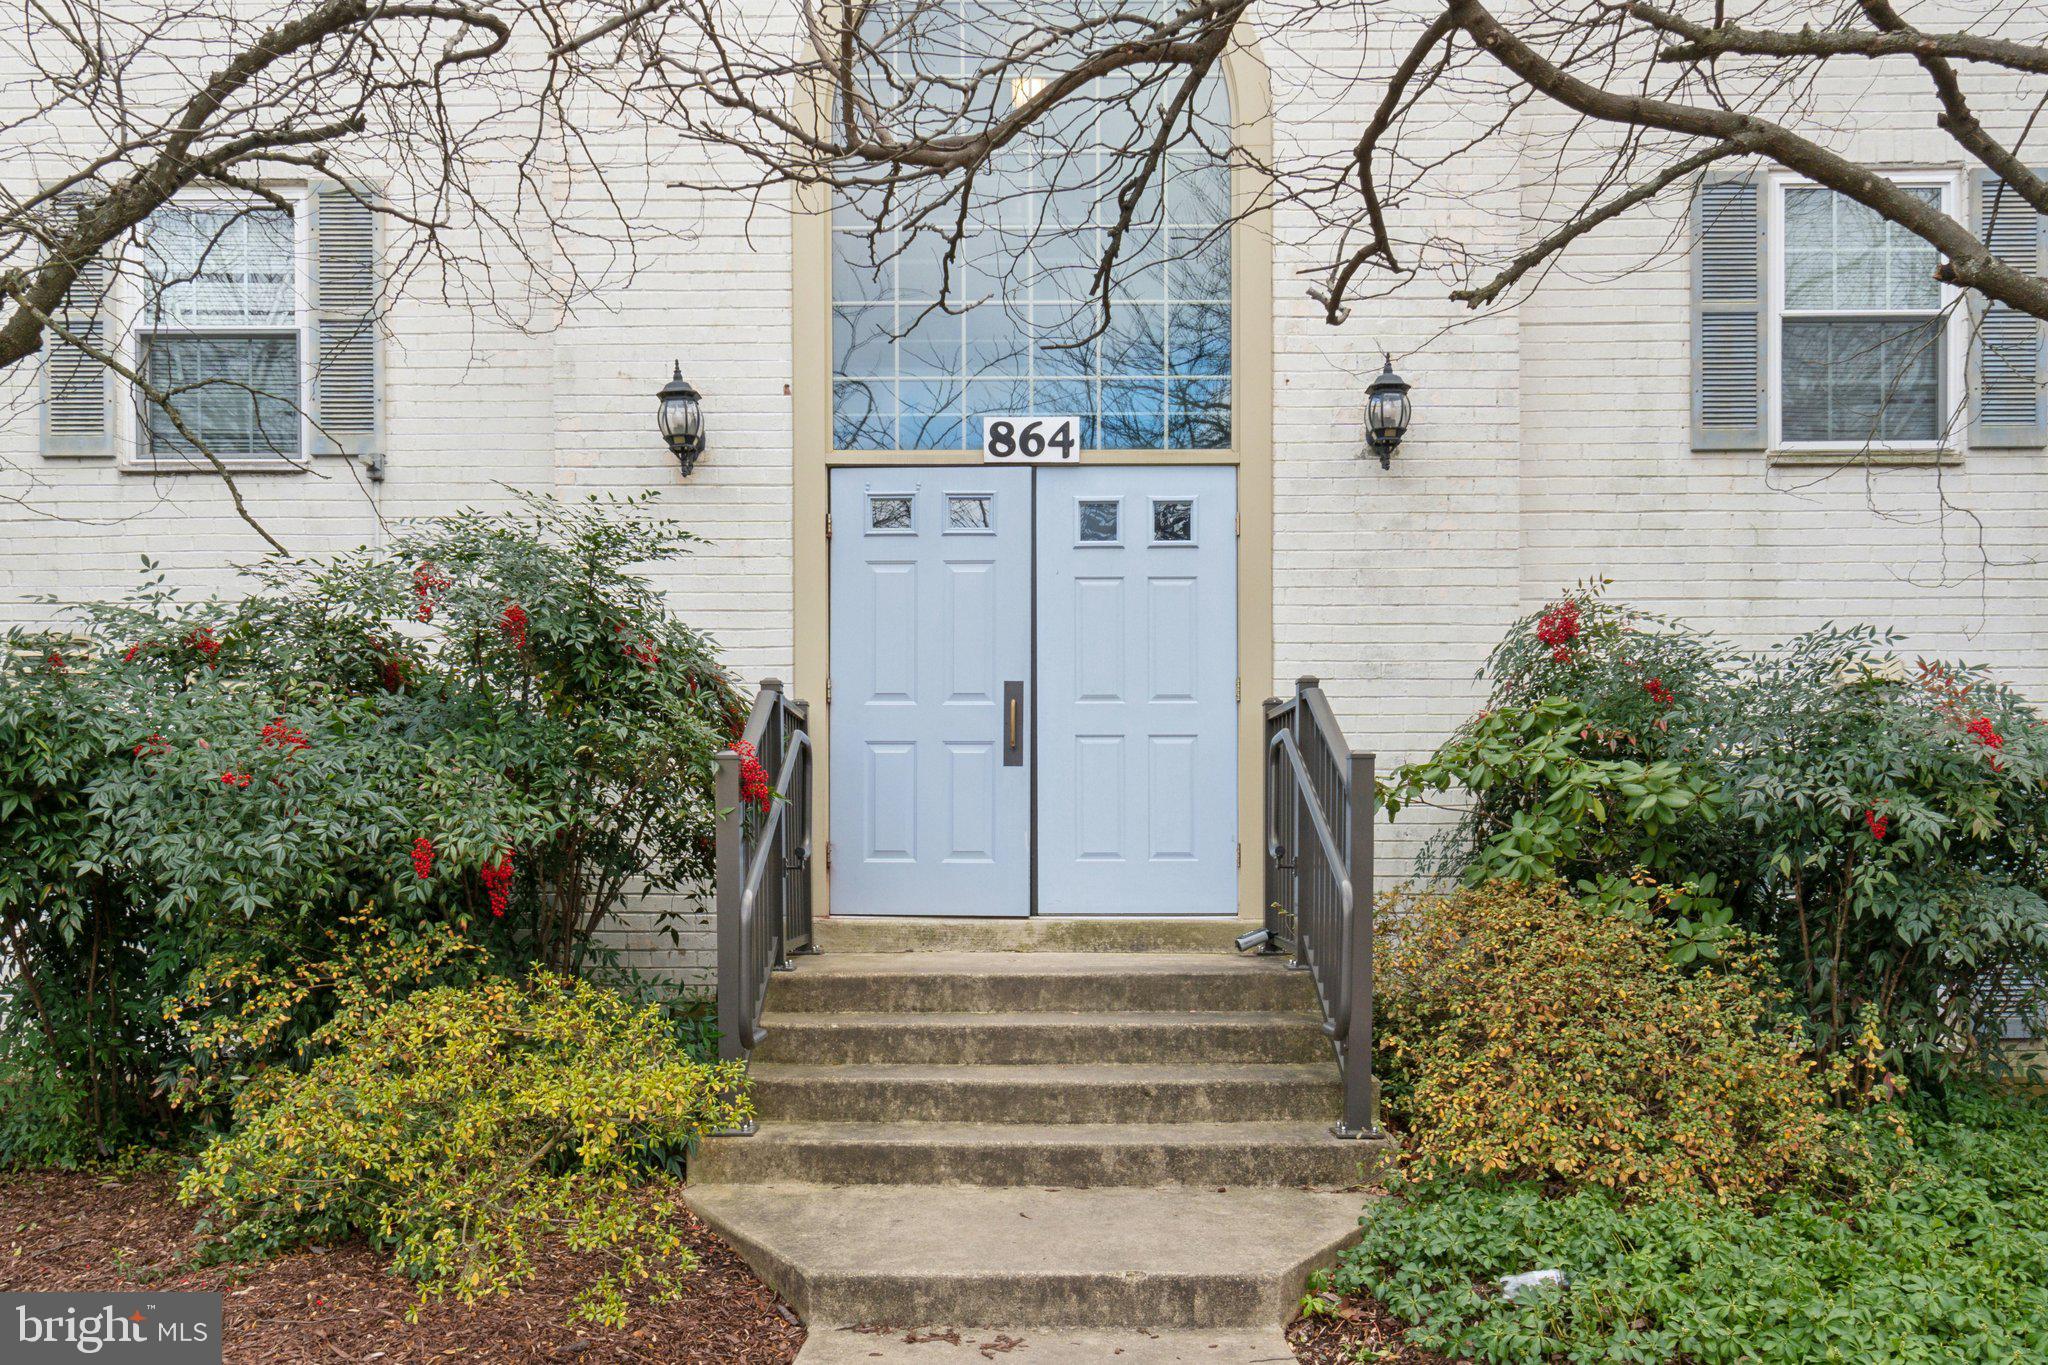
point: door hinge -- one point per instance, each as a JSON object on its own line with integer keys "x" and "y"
{"x": 1240, "y": 689}
{"x": 828, "y": 691}
{"x": 828, "y": 857}
{"x": 1238, "y": 520}
{"x": 828, "y": 526}
{"x": 1240, "y": 853}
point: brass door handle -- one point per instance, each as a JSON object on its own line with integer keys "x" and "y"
{"x": 1013, "y": 725}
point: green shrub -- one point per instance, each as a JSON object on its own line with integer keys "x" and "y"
{"x": 1942, "y": 1256}
{"x": 492, "y": 726}
{"x": 83, "y": 1040}
{"x": 1880, "y": 826}
{"x": 457, "y": 1125}
{"x": 1537, "y": 1038}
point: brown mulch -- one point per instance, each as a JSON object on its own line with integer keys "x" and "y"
{"x": 1360, "y": 1329}
{"x": 90, "y": 1232}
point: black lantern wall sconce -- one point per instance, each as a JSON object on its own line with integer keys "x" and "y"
{"x": 1387, "y": 411}
{"x": 680, "y": 415}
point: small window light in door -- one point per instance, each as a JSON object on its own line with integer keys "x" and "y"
{"x": 968, "y": 512}
{"x": 888, "y": 512}
{"x": 1098, "y": 521}
{"x": 1173, "y": 521}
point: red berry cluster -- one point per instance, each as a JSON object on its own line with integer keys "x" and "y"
{"x": 644, "y": 652}
{"x": 428, "y": 583}
{"x": 1986, "y": 733}
{"x": 231, "y": 778}
{"x": 205, "y": 642}
{"x": 423, "y": 857}
{"x": 497, "y": 879}
{"x": 1879, "y": 825}
{"x": 56, "y": 662}
{"x": 128, "y": 655}
{"x": 283, "y": 736}
{"x": 1659, "y": 693}
{"x": 1558, "y": 627}
{"x": 155, "y": 744}
{"x": 753, "y": 777}
{"x": 513, "y": 623}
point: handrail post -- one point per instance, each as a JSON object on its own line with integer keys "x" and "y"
{"x": 728, "y": 886}
{"x": 1361, "y": 1092}
{"x": 775, "y": 737}
{"x": 1303, "y": 685}
{"x": 799, "y": 832}
{"x": 1269, "y": 826}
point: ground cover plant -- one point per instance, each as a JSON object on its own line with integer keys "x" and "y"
{"x": 1939, "y": 1251}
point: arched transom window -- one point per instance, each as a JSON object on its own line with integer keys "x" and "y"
{"x": 1073, "y": 274}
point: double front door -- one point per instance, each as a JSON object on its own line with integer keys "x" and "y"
{"x": 1033, "y": 694}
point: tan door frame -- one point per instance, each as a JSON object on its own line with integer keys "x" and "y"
{"x": 1251, "y": 250}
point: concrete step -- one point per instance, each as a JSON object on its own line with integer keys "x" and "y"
{"x": 1032, "y": 934}
{"x": 945, "y": 1344}
{"x": 1174, "y": 1258}
{"x": 1077, "y": 1093}
{"x": 991, "y": 983}
{"x": 1021, "y": 1037}
{"x": 1077, "y": 1155}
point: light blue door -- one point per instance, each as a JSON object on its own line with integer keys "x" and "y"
{"x": 1137, "y": 686}
{"x": 931, "y": 664}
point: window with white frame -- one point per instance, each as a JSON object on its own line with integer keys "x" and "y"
{"x": 220, "y": 331}
{"x": 1867, "y": 343}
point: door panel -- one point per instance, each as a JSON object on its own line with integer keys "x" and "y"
{"x": 1137, "y": 681}
{"x": 931, "y": 617}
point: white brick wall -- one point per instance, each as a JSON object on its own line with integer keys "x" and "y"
{"x": 1550, "y": 445}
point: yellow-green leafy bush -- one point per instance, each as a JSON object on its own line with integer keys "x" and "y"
{"x": 1535, "y": 1038}
{"x": 459, "y": 1125}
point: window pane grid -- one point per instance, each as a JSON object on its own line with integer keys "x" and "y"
{"x": 237, "y": 395}
{"x": 1019, "y": 329}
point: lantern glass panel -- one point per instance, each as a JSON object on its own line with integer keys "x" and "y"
{"x": 681, "y": 418}
{"x": 1389, "y": 412}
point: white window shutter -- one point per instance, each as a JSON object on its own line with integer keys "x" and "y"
{"x": 2006, "y": 363}
{"x": 347, "y": 367}
{"x": 1729, "y": 335}
{"x": 78, "y": 391}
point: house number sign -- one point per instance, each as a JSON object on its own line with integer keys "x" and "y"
{"x": 1031, "y": 440}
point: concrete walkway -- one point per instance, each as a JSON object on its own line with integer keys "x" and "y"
{"x": 1039, "y": 1346}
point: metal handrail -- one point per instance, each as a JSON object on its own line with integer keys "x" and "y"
{"x": 1336, "y": 1012}
{"x": 763, "y": 867}
{"x": 1319, "y": 880}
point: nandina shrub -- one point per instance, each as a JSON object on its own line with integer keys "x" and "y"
{"x": 493, "y": 724}
{"x": 1879, "y": 825}
{"x": 455, "y": 1127}
{"x": 518, "y": 669}
{"x": 1536, "y": 1038}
